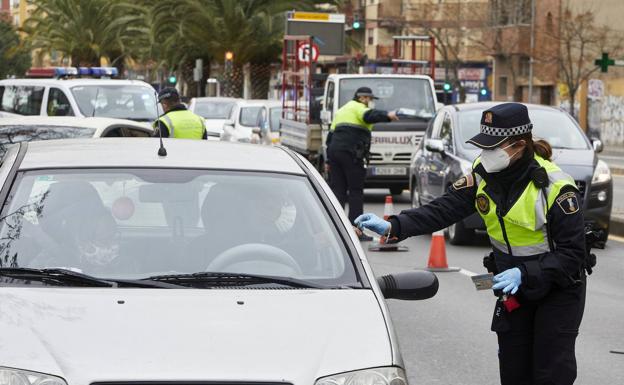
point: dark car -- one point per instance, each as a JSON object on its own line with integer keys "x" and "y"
{"x": 444, "y": 156}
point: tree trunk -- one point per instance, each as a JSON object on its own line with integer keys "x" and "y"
{"x": 571, "y": 100}
{"x": 233, "y": 81}
{"x": 260, "y": 79}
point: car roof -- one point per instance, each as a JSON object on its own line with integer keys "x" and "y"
{"x": 73, "y": 121}
{"x": 214, "y": 99}
{"x": 73, "y": 82}
{"x": 258, "y": 102}
{"x": 485, "y": 105}
{"x": 372, "y": 76}
{"x": 142, "y": 153}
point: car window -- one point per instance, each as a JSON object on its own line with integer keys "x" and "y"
{"x": 116, "y": 101}
{"x": 436, "y": 127}
{"x": 274, "y": 118}
{"x": 213, "y": 109}
{"x": 250, "y": 116}
{"x": 16, "y": 133}
{"x": 446, "y": 132}
{"x": 330, "y": 97}
{"x": 126, "y": 132}
{"x": 554, "y": 126}
{"x": 23, "y": 100}
{"x": 58, "y": 104}
{"x": 148, "y": 222}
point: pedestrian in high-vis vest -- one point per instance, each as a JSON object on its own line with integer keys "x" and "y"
{"x": 533, "y": 217}
{"x": 178, "y": 121}
{"x": 348, "y": 145}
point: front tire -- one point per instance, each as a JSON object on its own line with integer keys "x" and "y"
{"x": 458, "y": 234}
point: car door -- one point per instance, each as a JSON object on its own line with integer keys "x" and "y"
{"x": 430, "y": 163}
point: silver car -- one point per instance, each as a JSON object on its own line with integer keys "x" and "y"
{"x": 217, "y": 263}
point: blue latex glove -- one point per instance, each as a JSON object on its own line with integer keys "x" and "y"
{"x": 372, "y": 222}
{"x": 508, "y": 280}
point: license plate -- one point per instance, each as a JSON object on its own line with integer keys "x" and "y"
{"x": 389, "y": 171}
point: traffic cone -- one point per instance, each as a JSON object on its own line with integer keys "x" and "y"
{"x": 437, "y": 254}
{"x": 388, "y": 207}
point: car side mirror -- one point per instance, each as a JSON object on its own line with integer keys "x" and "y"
{"x": 597, "y": 144}
{"x": 228, "y": 122}
{"x": 409, "y": 286}
{"x": 435, "y": 145}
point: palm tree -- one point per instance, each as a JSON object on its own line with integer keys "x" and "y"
{"x": 85, "y": 30}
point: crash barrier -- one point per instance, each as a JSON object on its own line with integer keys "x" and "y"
{"x": 437, "y": 254}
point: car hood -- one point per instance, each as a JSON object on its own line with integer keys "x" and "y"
{"x": 89, "y": 335}
{"x": 563, "y": 157}
{"x": 215, "y": 125}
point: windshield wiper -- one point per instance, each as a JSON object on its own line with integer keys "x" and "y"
{"x": 66, "y": 277}
{"x": 215, "y": 279}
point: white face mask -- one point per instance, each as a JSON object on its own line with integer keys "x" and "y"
{"x": 497, "y": 159}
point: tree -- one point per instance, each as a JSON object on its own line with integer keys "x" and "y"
{"x": 581, "y": 43}
{"x": 85, "y": 30}
{"x": 14, "y": 55}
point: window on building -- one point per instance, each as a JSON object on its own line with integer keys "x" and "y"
{"x": 510, "y": 12}
{"x": 502, "y": 86}
{"x": 371, "y": 36}
{"x": 549, "y": 23}
{"x": 525, "y": 65}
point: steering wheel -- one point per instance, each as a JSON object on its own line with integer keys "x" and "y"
{"x": 250, "y": 253}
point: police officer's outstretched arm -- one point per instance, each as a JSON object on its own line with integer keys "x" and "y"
{"x": 455, "y": 205}
{"x": 562, "y": 266}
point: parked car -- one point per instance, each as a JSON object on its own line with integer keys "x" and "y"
{"x": 255, "y": 121}
{"x": 215, "y": 110}
{"x": 443, "y": 157}
{"x": 30, "y": 128}
{"x": 217, "y": 263}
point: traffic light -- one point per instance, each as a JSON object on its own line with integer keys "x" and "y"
{"x": 447, "y": 87}
{"x": 483, "y": 91}
{"x": 357, "y": 24}
{"x": 172, "y": 79}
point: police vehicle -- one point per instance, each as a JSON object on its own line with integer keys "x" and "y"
{"x": 59, "y": 91}
{"x": 217, "y": 263}
{"x": 444, "y": 156}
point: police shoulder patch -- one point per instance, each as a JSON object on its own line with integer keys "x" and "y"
{"x": 464, "y": 182}
{"x": 483, "y": 204}
{"x": 568, "y": 203}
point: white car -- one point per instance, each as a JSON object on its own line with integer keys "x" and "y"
{"x": 219, "y": 263}
{"x": 215, "y": 110}
{"x": 84, "y": 97}
{"x": 30, "y": 128}
{"x": 255, "y": 121}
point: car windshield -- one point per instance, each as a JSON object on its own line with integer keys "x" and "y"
{"x": 274, "y": 118}
{"x": 393, "y": 93}
{"x": 554, "y": 126}
{"x": 137, "y": 223}
{"x": 213, "y": 109}
{"x": 250, "y": 116}
{"x": 133, "y": 102}
{"x": 15, "y": 133}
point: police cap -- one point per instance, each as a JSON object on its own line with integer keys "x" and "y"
{"x": 168, "y": 93}
{"x": 501, "y": 122}
{"x": 364, "y": 91}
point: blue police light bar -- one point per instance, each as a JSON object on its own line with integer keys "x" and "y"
{"x": 98, "y": 72}
{"x": 65, "y": 71}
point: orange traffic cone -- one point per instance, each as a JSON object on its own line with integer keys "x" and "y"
{"x": 388, "y": 207}
{"x": 437, "y": 254}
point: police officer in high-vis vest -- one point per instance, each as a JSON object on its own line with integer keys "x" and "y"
{"x": 532, "y": 213}
{"x": 348, "y": 145}
{"x": 177, "y": 121}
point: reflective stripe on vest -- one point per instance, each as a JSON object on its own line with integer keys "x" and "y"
{"x": 526, "y": 221}
{"x": 352, "y": 114}
{"x": 183, "y": 124}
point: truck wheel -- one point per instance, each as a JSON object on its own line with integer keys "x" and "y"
{"x": 458, "y": 234}
{"x": 396, "y": 190}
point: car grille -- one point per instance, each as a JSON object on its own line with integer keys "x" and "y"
{"x": 375, "y": 156}
{"x": 402, "y": 157}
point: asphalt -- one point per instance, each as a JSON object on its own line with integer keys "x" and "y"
{"x": 447, "y": 339}
{"x": 614, "y": 157}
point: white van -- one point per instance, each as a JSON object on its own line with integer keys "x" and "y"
{"x": 84, "y": 97}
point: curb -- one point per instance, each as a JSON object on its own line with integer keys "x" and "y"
{"x": 616, "y": 226}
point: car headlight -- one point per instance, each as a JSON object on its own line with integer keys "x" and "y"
{"x": 375, "y": 376}
{"x": 602, "y": 173}
{"x": 9, "y": 376}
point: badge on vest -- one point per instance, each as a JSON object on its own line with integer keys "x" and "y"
{"x": 568, "y": 203}
{"x": 463, "y": 182}
{"x": 483, "y": 204}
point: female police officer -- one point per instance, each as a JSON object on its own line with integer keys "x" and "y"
{"x": 532, "y": 213}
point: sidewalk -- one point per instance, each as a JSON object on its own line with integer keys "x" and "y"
{"x": 614, "y": 156}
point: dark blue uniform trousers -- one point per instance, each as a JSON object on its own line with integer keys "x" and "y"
{"x": 346, "y": 179}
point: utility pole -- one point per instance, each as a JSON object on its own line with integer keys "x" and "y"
{"x": 531, "y": 51}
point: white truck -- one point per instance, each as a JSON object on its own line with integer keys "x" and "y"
{"x": 393, "y": 144}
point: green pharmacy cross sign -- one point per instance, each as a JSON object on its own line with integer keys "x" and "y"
{"x": 605, "y": 62}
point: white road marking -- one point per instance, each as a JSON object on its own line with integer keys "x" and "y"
{"x": 467, "y": 272}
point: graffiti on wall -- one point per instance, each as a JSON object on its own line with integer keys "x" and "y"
{"x": 612, "y": 120}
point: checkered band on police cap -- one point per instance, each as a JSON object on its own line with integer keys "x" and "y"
{"x": 510, "y": 131}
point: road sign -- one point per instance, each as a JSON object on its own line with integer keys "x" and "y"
{"x": 305, "y": 53}
{"x": 327, "y": 29}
